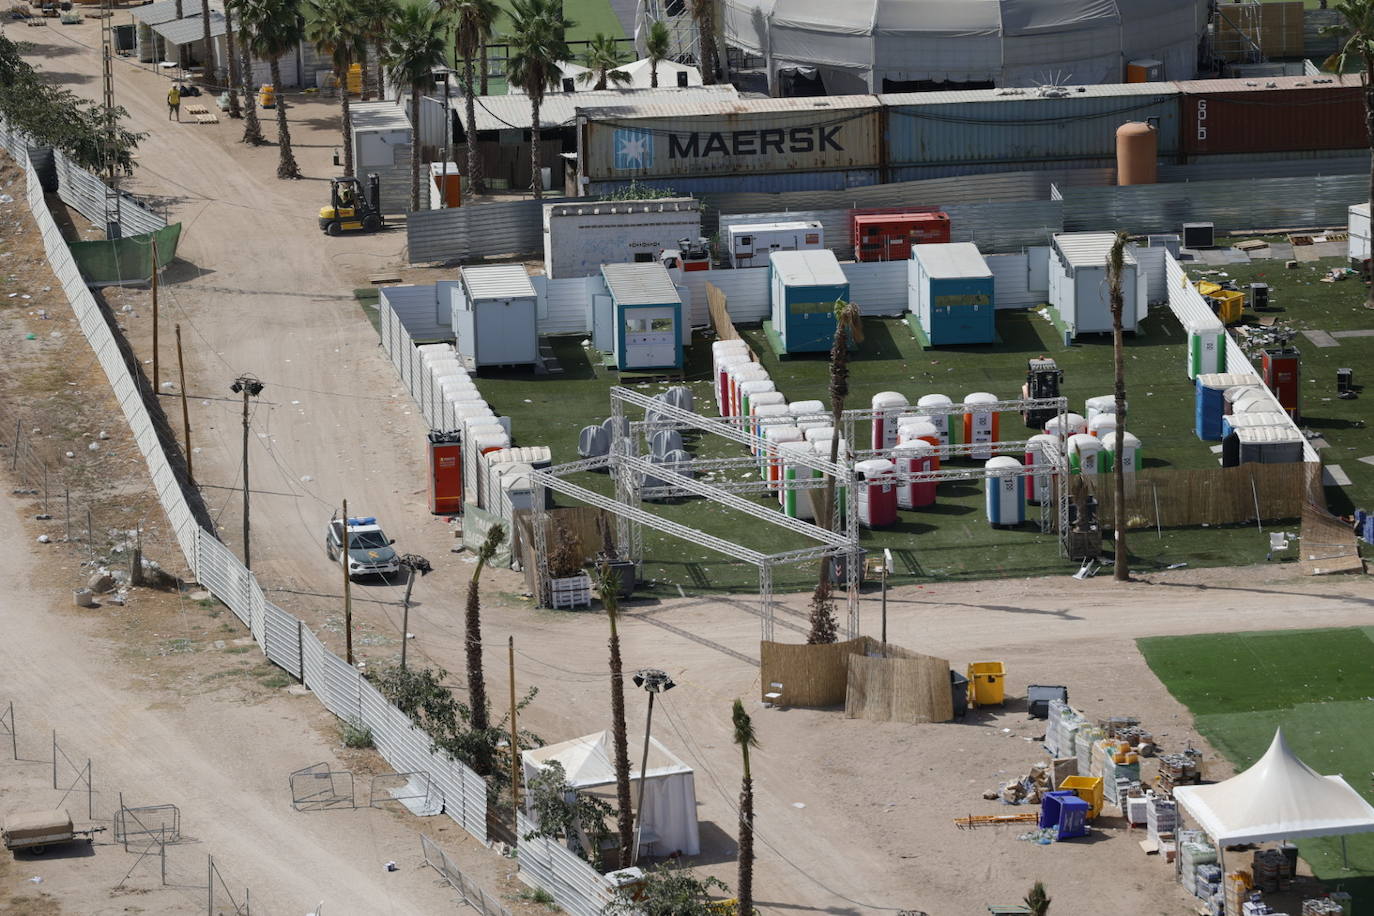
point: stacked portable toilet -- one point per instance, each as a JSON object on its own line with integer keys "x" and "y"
{"x": 725, "y": 353}
{"x": 891, "y": 405}
{"x": 981, "y": 424}
{"x": 765, "y": 416}
{"x": 1005, "y": 498}
{"x": 739, "y": 373}
{"x": 777, "y": 436}
{"x": 796, "y": 503}
{"x": 877, "y": 493}
{"x": 1211, "y": 400}
{"x": 912, "y": 457}
{"x": 913, "y": 429}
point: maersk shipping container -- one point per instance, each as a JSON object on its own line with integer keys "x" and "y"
{"x": 972, "y": 130}
{"x": 730, "y": 139}
{"x": 1299, "y": 113}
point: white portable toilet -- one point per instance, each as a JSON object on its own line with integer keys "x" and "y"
{"x": 981, "y": 424}
{"x": 740, "y": 373}
{"x": 1071, "y": 425}
{"x": 494, "y": 316}
{"x": 891, "y": 404}
{"x": 1042, "y": 449}
{"x": 819, "y": 433}
{"x": 1005, "y": 498}
{"x": 810, "y": 410}
{"x": 777, "y": 436}
{"x": 750, "y": 388}
{"x": 1130, "y": 452}
{"x": 796, "y": 503}
{"x": 877, "y": 493}
{"x": 920, "y": 429}
{"x": 1084, "y": 451}
{"x": 1252, "y": 418}
{"x": 1103, "y": 404}
{"x": 912, "y": 457}
{"x": 722, "y": 376}
{"x": 1270, "y": 445}
{"x": 767, "y": 415}
{"x": 763, "y": 399}
{"x": 1101, "y": 425}
{"x": 1231, "y": 395}
{"x": 948, "y": 424}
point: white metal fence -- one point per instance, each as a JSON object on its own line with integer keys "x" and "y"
{"x": 575, "y": 885}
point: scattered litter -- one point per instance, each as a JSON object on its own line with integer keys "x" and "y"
{"x": 6, "y": 199}
{"x": 94, "y": 446}
{"x": 1176, "y": 565}
{"x": 391, "y": 866}
{"x": 44, "y": 539}
{"x": 71, "y": 454}
{"x": 36, "y": 879}
{"x": 307, "y": 479}
{"x": 103, "y": 435}
{"x": 798, "y": 805}
{"x": 167, "y": 386}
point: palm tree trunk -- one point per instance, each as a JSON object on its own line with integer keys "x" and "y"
{"x": 381, "y": 74}
{"x": 475, "y": 180}
{"x": 414, "y": 151}
{"x": 365, "y": 76}
{"x": 744, "y": 892}
{"x": 1121, "y": 563}
{"x": 653, "y": 74}
{"x": 822, "y": 620}
{"x": 1369, "y": 128}
{"x": 252, "y": 130}
{"x": 477, "y": 685}
{"x": 625, "y": 815}
{"x": 235, "y": 111}
{"x": 706, "y": 35}
{"x": 286, "y": 161}
{"x": 536, "y": 181}
{"x": 347, "y": 125}
{"x": 211, "y": 72}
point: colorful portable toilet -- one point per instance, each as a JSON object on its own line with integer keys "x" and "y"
{"x": 766, "y": 416}
{"x": 1071, "y": 424}
{"x": 1250, "y": 420}
{"x": 1101, "y": 425}
{"x": 739, "y": 374}
{"x": 1099, "y": 405}
{"x": 646, "y": 314}
{"x": 1130, "y": 452}
{"x": 950, "y": 294}
{"x": 1041, "y": 449}
{"x": 776, "y": 437}
{"x": 796, "y": 503}
{"x": 809, "y": 410}
{"x": 1210, "y": 400}
{"x": 752, "y": 387}
{"x": 722, "y": 375}
{"x": 877, "y": 493}
{"x": 1084, "y": 451}
{"x": 1281, "y": 368}
{"x": 493, "y": 315}
{"x": 804, "y": 286}
{"x": 1254, "y": 400}
{"x": 1206, "y": 345}
{"x": 891, "y": 404}
{"x": 821, "y": 448}
{"x": 1006, "y": 498}
{"x": 766, "y": 399}
{"x": 913, "y": 457}
{"x": 919, "y": 429}
{"x": 981, "y": 423}
{"x": 948, "y": 424}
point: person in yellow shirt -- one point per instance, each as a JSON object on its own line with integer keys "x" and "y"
{"x": 174, "y": 103}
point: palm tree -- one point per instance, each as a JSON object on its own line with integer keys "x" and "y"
{"x": 473, "y": 21}
{"x": 1121, "y": 564}
{"x": 601, "y": 58}
{"x": 608, "y": 589}
{"x": 848, "y": 326}
{"x": 274, "y": 28}
{"x": 252, "y": 130}
{"x": 1357, "y": 48}
{"x": 704, "y": 15}
{"x": 208, "y": 47}
{"x": 657, "y": 45}
{"x": 382, "y": 17}
{"x": 745, "y": 739}
{"x": 374, "y": 18}
{"x": 416, "y": 47}
{"x": 537, "y": 48}
{"x": 334, "y": 30}
{"x": 477, "y": 685}
{"x": 1037, "y": 901}
{"x": 231, "y": 51}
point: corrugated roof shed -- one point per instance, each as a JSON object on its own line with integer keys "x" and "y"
{"x": 652, "y": 107}
{"x": 191, "y": 29}
{"x": 639, "y": 284}
{"x": 1088, "y": 249}
{"x": 818, "y": 267}
{"x": 953, "y": 261}
{"x": 162, "y": 11}
{"x": 379, "y": 116}
{"x": 498, "y": 281}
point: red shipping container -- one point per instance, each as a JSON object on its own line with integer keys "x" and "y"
{"x": 1282, "y": 372}
{"x": 1298, "y": 114}
{"x": 887, "y": 235}
{"x": 445, "y": 473}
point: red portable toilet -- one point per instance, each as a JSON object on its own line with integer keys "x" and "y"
{"x": 723, "y": 364}
{"x": 1282, "y": 370}
{"x": 445, "y": 472}
{"x": 913, "y": 457}
{"x": 1041, "y": 449}
{"x": 885, "y": 423}
{"x": 877, "y": 493}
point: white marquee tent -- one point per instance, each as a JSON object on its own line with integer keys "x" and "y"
{"x": 670, "y": 799}
{"x": 1279, "y": 798}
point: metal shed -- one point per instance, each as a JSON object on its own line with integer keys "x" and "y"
{"x": 804, "y": 287}
{"x": 495, "y": 315}
{"x": 646, "y": 312}
{"x": 1078, "y": 283}
{"x": 950, "y": 294}
{"x": 382, "y": 143}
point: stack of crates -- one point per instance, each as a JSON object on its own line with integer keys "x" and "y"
{"x": 1162, "y": 817}
{"x": 1063, "y": 727}
{"x": 1237, "y": 892}
{"x": 1321, "y": 906}
{"x": 1083, "y": 743}
{"x": 1193, "y": 854}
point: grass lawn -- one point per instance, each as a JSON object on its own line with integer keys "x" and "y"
{"x": 952, "y": 541}
{"x": 1315, "y": 684}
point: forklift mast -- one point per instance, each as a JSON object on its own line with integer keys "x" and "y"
{"x": 374, "y": 192}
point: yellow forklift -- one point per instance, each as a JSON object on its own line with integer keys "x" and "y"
{"x": 350, "y": 209}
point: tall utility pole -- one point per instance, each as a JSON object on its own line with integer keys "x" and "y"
{"x": 448, "y": 143}
{"x": 348, "y": 586}
{"x": 415, "y": 567}
{"x": 247, "y": 385}
{"x": 111, "y": 139}
{"x": 185, "y": 411}
{"x": 655, "y": 682}
{"x": 514, "y": 734}
{"x": 156, "y": 376}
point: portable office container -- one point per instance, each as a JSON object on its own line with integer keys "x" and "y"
{"x": 1078, "y": 283}
{"x": 877, "y": 493}
{"x": 445, "y": 185}
{"x": 885, "y": 423}
{"x": 890, "y": 235}
{"x": 1005, "y": 498}
{"x": 1210, "y": 399}
{"x": 804, "y": 287}
{"x": 950, "y": 293}
{"x": 495, "y": 316}
{"x": 580, "y": 237}
{"x": 647, "y": 315}
{"x": 982, "y": 425}
{"x": 912, "y": 457}
{"x": 1278, "y": 114}
{"x": 751, "y": 244}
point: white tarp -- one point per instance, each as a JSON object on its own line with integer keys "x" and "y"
{"x": 1279, "y": 798}
{"x": 670, "y": 798}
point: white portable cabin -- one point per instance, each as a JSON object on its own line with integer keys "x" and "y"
{"x": 950, "y": 293}
{"x": 750, "y": 244}
{"x": 1359, "y": 234}
{"x": 647, "y": 314}
{"x": 1078, "y": 283}
{"x": 382, "y": 143}
{"x": 494, "y": 316}
{"x": 580, "y": 237}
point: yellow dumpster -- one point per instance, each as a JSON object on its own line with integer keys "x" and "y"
{"x": 986, "y": 685}
{"x": 1088, "y": 788}
{"x": 1229, "y": 304}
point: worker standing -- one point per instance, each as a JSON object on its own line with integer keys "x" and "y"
{"x": 174, "y": 103}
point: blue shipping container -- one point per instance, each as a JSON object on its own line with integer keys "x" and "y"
{"x": 991, "y": 126}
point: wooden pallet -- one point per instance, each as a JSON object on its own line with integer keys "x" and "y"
{"x": 987, "y": 820}
{"x": 202, "y": 114}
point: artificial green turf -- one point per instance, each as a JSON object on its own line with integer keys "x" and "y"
{"x": 1315, "y": 684}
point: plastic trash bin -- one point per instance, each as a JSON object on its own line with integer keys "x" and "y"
{"x": 958, "y": 685}
{"x": 1071, "y": 818}
{"x": 1038, "y": 696}
{"x": 1088, "y": 788}
{"x": 988, "y": 680}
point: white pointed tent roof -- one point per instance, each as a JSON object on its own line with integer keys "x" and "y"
{"x": 587, "y": 760}
{"x": 1280, "y": 797}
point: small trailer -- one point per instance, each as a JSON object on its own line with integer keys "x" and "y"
{"x": 35, "y": 831}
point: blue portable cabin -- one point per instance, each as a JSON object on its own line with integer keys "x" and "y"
{"x": 950, "y": 294}
{"x": 646, "y": 312}
{"x": 804, "y": 287}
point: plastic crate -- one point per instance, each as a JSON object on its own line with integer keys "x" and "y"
{"x": 1088, "y": 788}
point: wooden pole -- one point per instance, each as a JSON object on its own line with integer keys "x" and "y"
{"x": 514, "y": 735}
{"x": 348, "y": 587}
{"x": 185, "y": 410}
{"x": 247, "y": 555}
{"x": 157, "y": 380}
{"x": 405, "y": 615}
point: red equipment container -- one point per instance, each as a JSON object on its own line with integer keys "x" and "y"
{"x": 445, "y": 473}
{"x": 1282, "y": 372}
{"x": 1229, "y": 116}
{"x": 887, "y": 235}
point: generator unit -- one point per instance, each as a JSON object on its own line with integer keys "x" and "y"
{"x": 1043, "y": 378}
{"x": 888, "y": 235}
{"x": 688, "y": 255}
{"x": 750, "y": 244}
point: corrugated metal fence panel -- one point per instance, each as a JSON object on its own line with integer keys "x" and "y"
{"x": 281, "y": 640}
{"x": 1151, "y": 261}
{"x": 575, "y": 885}
{"x": 567, "y": 304}
{"x": 1011, "y": 281}
{"x": 746, "y": 291}
{"x": 879, "y": 287}
{"x": 476, "y": 231}
{"x": 1005, "y": 226}
{"x": 220, "y": 573}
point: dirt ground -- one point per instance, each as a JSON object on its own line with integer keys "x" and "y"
{"x": 853, "y": 817}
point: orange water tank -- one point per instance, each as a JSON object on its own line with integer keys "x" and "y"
{"x": 1137, "y": 150}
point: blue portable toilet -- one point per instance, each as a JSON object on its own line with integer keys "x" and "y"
{"x": 804, "y": 287}
{"x": 1004, "y": 494}
{"x": 950, "y": 294}
{"x": 646, "y": 312}
{"x": 1211, "y": 400}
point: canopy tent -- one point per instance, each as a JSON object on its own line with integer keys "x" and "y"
{"x": 1278, "y": 798}
{"x": 670, "y": 799}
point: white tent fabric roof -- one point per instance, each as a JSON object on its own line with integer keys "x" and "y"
{"x": 1279, "y": 798}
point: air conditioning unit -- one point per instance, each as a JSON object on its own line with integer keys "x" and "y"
{"x": 1259, "y": 296}
{"x": 1199, "y": 235}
